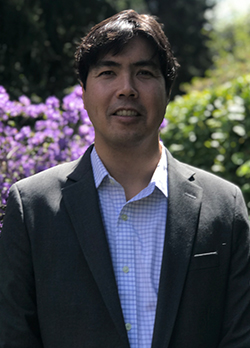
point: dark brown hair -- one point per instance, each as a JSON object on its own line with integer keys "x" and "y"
{"x": 114, "y": 32}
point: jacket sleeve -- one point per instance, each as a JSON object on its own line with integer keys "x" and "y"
{"x": 236, "y": 326}
{"x": 19, "y": 325}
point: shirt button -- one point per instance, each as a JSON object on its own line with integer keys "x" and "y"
{"x": 111, "y": 181}
{"x": 125, "y": 269}
{"x": 124, "y": 217}
{"x": 128, "y": 326}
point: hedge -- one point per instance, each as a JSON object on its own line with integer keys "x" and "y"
{"x": 210, "y": 129}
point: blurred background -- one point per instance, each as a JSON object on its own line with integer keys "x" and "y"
{"x": 38, "y": 39}
{"x": 42, "y": 120}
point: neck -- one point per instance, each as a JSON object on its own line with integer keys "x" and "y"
{"x": 131, "y": 167}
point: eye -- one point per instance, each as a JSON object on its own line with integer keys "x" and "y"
{"x": 145, "y": 73}
{"x": 106, "y": 73}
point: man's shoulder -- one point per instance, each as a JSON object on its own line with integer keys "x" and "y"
{"x": 202, "y": 175}
{"x": 57, "y": 175}
{"x": 203, "y": 178}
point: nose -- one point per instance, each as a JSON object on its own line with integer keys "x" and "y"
{"x": 126, "y": 87}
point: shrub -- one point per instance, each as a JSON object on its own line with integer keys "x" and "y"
{"x": 210, "y": 129}
{"x": 34, "y": 137}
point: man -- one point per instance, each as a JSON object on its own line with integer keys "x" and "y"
{"x": 125, "y": 247}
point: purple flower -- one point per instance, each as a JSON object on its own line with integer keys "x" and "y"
{"x": 52, "y": 102}
{"x": 24, "y": 133}
{"x": 34, "y": 111}
{"x": 163, "y": 124}
{"x": 68, "y": 131}
{"x": 24, "y": 100}
{"x": 78, "y": 91}
{"x": 2, "y": 90}
{"x": 34, "y": 137}
{"x": 84, "y": 129}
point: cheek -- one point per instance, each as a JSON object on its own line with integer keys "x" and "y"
{"x": 157, "y": 94}
{"x": 163, "y": 100}
{"x": 97, "y": 98}
{"x": 96, "y": 108}
{"x": 89, "y": 103}
{"x": 157, "y": 101}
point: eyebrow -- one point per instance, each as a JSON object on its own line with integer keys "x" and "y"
{"x": 101, "y": 63}
{"x": 141, "y": 63}
{"x": 150, "y": 63}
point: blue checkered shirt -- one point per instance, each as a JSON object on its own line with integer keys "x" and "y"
{"x": 135, "y": 231}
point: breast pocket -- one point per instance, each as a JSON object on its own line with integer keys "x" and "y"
{"x": 204, "y": 260}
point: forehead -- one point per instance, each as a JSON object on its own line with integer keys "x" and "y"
{"x": 136, "y": 49}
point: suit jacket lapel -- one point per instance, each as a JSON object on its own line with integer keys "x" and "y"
{"x": 182, "y": 220}
{"x": 81, "y": 200}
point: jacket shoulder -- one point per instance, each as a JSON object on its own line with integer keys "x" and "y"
{"x": 211, "y": 183}
{"x": 57, "y": 177}
{"x": 48, "y": 177}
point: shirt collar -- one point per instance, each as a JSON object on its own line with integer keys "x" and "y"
{"x": 159, "y": 178}
{"x": 100, "y": 172}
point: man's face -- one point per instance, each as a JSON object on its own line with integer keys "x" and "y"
{"x": 125, "y": 96}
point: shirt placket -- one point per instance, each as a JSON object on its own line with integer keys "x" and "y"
{"x": 125, "y": 257}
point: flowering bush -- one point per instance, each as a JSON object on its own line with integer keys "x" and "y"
{"x": 34, "y": 137}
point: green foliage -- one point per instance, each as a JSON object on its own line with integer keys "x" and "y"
{"x": 210, "y": 129}
{"x": 230, "y": 50}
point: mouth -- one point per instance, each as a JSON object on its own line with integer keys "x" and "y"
{"x": 128, "y": 113}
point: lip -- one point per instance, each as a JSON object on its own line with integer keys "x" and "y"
{"x": 126, "y": 112}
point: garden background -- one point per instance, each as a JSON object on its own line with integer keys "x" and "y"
{"x": 42, "y": 118}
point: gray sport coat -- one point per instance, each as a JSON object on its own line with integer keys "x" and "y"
{"x": 57, "y": 285}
